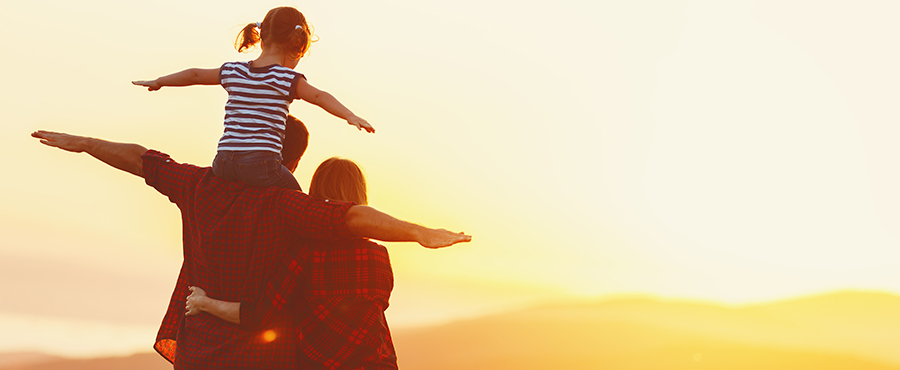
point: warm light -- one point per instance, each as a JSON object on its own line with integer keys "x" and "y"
{"x": 269, "y": 335}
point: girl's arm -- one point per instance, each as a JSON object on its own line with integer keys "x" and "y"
{"x": 199, "y": 302}
{"x": 187, "y": 77}
{"x": 330, "y": 104}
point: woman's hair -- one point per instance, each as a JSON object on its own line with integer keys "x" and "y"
{"x": 339, "y": 179}
{"x": 280, "y": 27}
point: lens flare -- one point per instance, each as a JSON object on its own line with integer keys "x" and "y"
{"x": 269, "y": 336}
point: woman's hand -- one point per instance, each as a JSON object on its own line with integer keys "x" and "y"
{"x": 441, "y": 238}
{"x": 195, "y": 302}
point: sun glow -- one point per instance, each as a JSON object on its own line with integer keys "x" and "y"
{"x": 731, "y": 151}
{"x": 269, "y": 336}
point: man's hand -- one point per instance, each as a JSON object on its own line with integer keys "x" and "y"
{"x": 150, "y": 85}
{"x": 72, "y": 143}
{"x": 126, "y": 157}
{"x": 440, "y": 238}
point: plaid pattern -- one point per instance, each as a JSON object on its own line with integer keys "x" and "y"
{"x": 234, "y": 238}
{"x": 338, "y": 293}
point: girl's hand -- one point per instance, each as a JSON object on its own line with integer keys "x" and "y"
{"x": 361, "y": 124}
{"x": 194, "y": 302}
{"x": 150, "y": 85}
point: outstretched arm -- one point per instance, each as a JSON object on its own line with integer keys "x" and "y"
{"x": 330, "y": 104}
{"x": 187, "y": 77}
{"x": 371, "y": 223}
{"x": 126, "y": 157}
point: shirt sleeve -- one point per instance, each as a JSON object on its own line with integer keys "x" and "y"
{"x": 311, "y": 218}
{"x": 168, "y": 177}
{"x": 224, "y": 66}
{"x": 297, "y": 77}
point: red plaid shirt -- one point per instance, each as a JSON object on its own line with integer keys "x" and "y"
{"x": 312, "y": 303}
{"x": 234, "y": 238}
{"x": 337, "y": 293}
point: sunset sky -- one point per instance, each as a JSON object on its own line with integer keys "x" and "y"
{"x": 729, "y": 151}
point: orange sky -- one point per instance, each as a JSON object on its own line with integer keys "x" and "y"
{"x": 733, "y": 151}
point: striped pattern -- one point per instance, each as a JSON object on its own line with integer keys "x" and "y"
{"x": 258, "y": 101}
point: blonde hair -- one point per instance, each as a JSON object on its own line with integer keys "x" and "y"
{"x": 339, "y": 179}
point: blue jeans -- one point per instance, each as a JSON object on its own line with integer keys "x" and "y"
{"x": 255, "y": 168}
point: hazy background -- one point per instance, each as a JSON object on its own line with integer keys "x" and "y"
{"x": 728, "y": 151}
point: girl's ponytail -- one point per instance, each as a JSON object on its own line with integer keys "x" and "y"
{"x": 300, "y": 39}
{"x": 247, "y": 38}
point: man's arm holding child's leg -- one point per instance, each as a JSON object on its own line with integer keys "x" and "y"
{"x": 126, "y": 157}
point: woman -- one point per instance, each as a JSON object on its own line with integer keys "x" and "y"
{"x": 343, "y": 291}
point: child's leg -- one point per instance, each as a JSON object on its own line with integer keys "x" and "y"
{"x": 223, "y": 166}
{"x": 256, "y": 168}
{"x": 283, "y": 178}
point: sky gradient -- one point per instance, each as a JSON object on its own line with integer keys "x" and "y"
{"x": 732, "y": 151}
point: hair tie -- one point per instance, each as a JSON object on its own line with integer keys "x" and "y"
{"x": 259, "y": 25}
{"x": 298, "y": 27}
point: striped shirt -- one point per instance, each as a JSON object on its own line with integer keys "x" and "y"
{"x": 258, "y": 101}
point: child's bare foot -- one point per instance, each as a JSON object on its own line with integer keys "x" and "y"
{"x": 195, "y": 302}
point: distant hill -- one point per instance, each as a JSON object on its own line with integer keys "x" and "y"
{"x": 850, "y": 330}
{"x": 142, "y": 361}
{"x": 8, "y": 360}
{"x": 840, "y": 331}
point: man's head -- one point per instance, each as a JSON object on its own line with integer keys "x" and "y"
{"x": 296, "y": 139}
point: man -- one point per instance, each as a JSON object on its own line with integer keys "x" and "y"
{"x": 231, "y": 232}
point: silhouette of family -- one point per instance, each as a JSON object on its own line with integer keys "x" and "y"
{"x": 272, "y": 277}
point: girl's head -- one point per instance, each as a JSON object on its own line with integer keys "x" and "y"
{"x": 339, "y": 179}
{"x": 284, "y": 27}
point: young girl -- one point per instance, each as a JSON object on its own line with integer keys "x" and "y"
{"x": 259, "y": 94}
